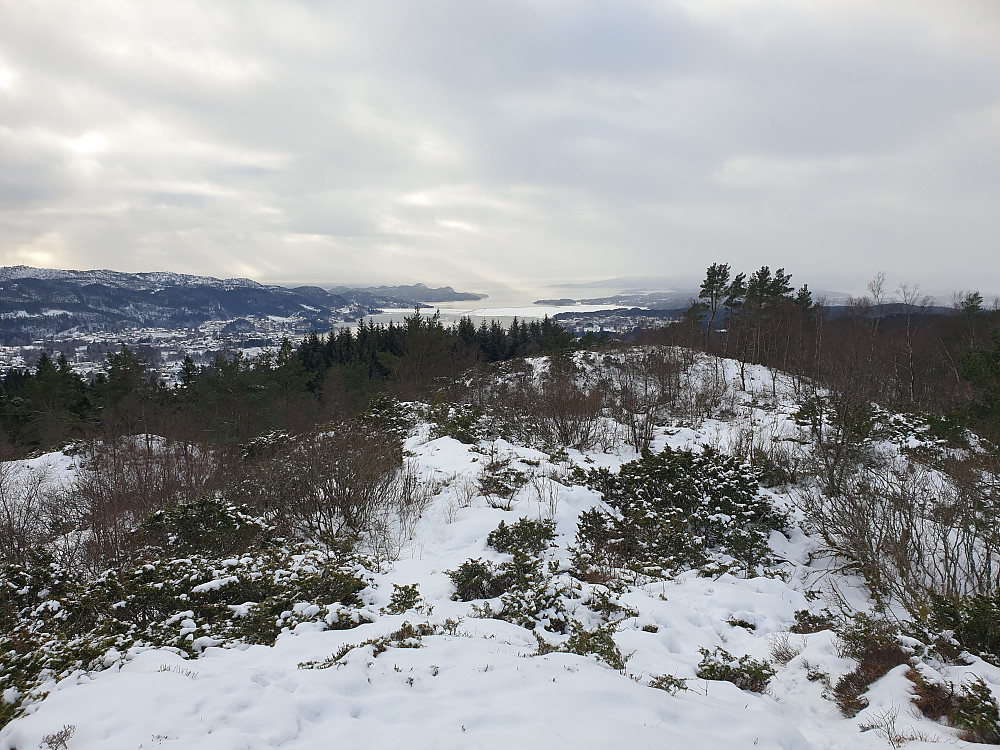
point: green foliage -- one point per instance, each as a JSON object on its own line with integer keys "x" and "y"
{"x": 976, "y": 713}
{"x": 408, "y": 636}
{"x": 388, "y": 415}
{"x": 477, "y": 579}
{"x": 810, "y": 622}
{"x": 500, "y": 482}
{"x": 529, "y": 593}
{"x": 526, "y": 535}
{"x": 746, "y": 673}
{"x": 864, "y": 633}
{"x": 54, "y": 623}
{"x": 669, "y": 683}
{"x": 974, "y": 622}
{"x": 209, "y": 526}
{"x": 598, "y": 643}
{"x": 534, "y": 596}
{"x": 673, "y": 511}
{"x": 466, "y": 423}
{"x": 981, "y": 368}
{"x": 404, "y": 598}
{"x": 874, "y": 643}
{"x": 970, "y": 707}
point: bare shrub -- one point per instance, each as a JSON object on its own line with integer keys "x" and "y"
{"x": 344, "y": 478}
{"x": 393, "y": 523}
{"x": 466, "y": 490}
{"x": 59, "y": 739}
{"x": 781, "y": 647}
{"x": 125, "y": 479}
{"x": 911, "y": 530}
{"x": 569, "y": 409}
{"x": 645, "y": 381}
{"x": 547, "y": 494}
{"x": 884, "y": 725}
{"x": 840, "y": 423}
{"x": 345, "y": 481}
{"x": 24, "y": 509}
{"x": 760, "y": 444}
{"x": 701, "y": 394}
{"x": 609, "y": 435}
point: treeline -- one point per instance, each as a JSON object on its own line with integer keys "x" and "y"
{"x": 892, "y": 348}
{"x": 237, "y": 398}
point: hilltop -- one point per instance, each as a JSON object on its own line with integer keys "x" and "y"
{"x": 522, "y": 579}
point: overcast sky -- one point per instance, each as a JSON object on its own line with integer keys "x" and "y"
{"x": 485, "y": 143}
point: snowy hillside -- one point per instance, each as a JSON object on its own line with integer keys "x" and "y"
{"x": 539, "y": 634}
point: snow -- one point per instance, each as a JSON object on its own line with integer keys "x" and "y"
{"x": 481, "y": 685}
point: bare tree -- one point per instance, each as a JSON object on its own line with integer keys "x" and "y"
{"x": 914, "y": 303}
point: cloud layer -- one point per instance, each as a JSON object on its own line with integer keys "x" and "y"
{"x": 484, "y": 143}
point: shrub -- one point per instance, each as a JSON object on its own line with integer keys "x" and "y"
{"x": 569, "y": 410}
{"x": 913, "y": 531}
{"x": 466, "y": 423}
{"x": 974, "y": 622}
{"x": 534, "y": 597}
{"x": 745, "y": 673}
{"x": 24, "y": 509}
{"x": 530, "y": 595}
{"x": 874, "y": 643}
{"x": 934, "y": 699}
{"x": 54, "y": 623}
{"x": 208, "y": 526}
{"x": 408, "y": 636}
{"x": 60, "y": 738}
{"x": 807, "y": 622}
{"x": 598, "y": 643}
{"x": 527, "y": 536}
{"x": 970, "y": 708}
{"x": 334, "y": 482}
{"x": 669, "y": 683}
{"x": 477, "y": 579}
{"x": 500, "y": 482}
{"x": 671, "y": 511}
{"x": 977, "y": 713}
{"x": 125, "y": 479}
{"x": 388, "y": 415}
{"x": 404, "y": 598}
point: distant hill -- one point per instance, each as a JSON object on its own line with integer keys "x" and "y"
{"x": 37, "y": 302}
{"x": 412, "y": 293}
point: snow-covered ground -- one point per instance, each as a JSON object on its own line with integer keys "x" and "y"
{"x": 481, "y": 683}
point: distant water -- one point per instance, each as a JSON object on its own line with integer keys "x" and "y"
{"x": 452, "y": 312}
{"x": 506, "y": 303}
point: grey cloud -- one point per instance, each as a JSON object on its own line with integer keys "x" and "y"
{"x": 394, "y": 141}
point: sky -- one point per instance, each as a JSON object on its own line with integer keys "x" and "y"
{"x": 504, "y": 144}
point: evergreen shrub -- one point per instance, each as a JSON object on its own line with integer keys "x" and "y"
{"x": 673, "y": 511}
{"x": 525, "y": 535}
{"x": 746, "y": 673}
{"x": 54, "y": 623}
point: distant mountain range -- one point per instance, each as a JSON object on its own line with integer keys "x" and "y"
{"x": 38, "y": 302}
{"x": 412, "y": 293}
